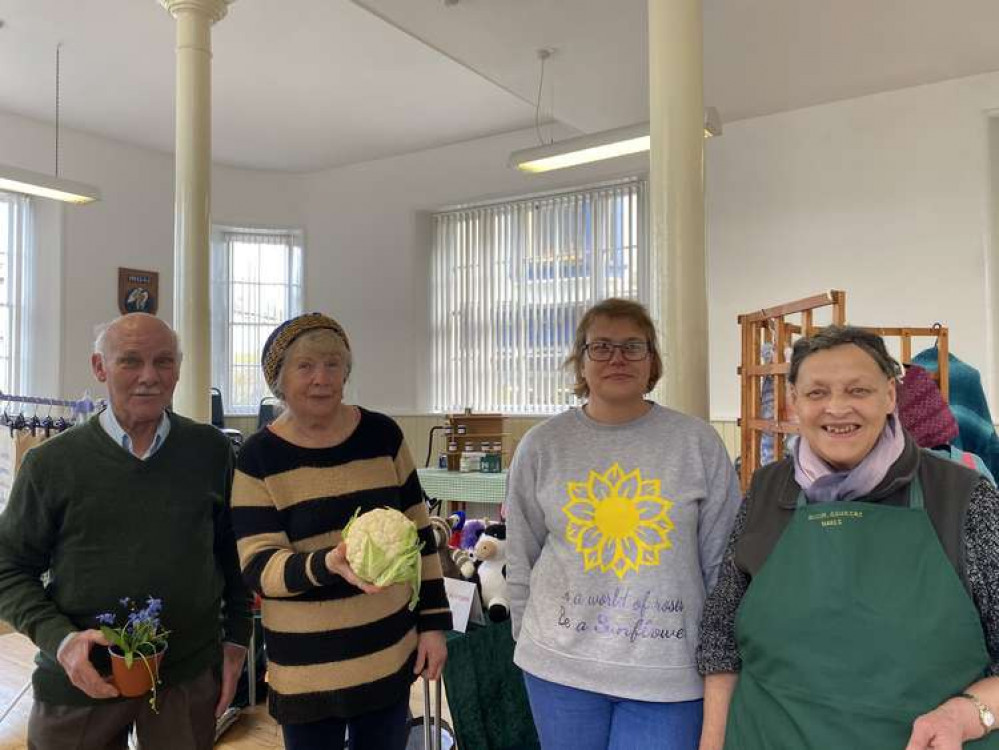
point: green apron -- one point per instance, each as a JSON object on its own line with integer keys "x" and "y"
{"x": 855, "y": 625}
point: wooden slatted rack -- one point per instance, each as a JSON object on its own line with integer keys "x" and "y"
{"x": 780, "y": 326}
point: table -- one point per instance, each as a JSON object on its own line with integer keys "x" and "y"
{"x": 459, "y": 488}
{"x": 485, "y": 691}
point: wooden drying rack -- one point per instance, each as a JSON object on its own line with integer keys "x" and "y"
{"x": 771, "y": 326}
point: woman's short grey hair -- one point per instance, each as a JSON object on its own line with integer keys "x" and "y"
{"x": 323, "y": 340}
{"x": 832, "y": 336}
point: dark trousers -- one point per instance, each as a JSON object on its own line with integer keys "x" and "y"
{"x": 379, "y": 730}
{"x": 186, "y": 721}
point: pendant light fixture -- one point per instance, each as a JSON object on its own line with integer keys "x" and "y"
{"x": 17, "y": 180}
{"x": 608, "y": 144}
{"x": 585, "y": 149}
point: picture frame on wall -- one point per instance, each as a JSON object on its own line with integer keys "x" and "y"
{"x": 138, "y": 291}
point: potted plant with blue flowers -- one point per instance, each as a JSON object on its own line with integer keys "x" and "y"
{"x": 137, "y": 647}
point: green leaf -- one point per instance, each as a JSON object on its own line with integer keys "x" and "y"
{"x": 113, "y": 637}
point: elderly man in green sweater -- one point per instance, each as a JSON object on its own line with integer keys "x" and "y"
{"x": 133, "y": 503}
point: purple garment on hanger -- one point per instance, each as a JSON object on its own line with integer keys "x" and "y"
{"x": 923, "y": 411}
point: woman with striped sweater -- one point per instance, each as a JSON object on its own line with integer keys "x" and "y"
{"x": 341, "y": 653}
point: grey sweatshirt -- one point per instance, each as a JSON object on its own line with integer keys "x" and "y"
{"x": 615, "y": 534}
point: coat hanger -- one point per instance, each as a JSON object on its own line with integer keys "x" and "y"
{"x": 19, "y": 423}
{"x": 48, "y": 424}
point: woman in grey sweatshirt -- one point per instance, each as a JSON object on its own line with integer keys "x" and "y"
{"x": 618, "y": 514}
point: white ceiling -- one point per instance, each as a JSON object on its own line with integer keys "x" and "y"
{"x": 297, "y": 84}
{"x": 305, "y": 84}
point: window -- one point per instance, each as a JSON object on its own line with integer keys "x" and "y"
{"x": 256, "y": 286}
{"x": 511, "y": 281}
{"x": 15, "y": 231}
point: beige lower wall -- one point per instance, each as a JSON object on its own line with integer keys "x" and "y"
{"x": 246, "y": 425}
{"x": 416, "y": 430}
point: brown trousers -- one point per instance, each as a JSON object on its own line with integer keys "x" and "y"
{"x": 186, "y": 721}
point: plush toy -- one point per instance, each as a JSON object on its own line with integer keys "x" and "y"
{"x": 465, "y": 562}
{"x": 457, "y": 520}
{"x": 490, "y": 569}
{"x": 442, "y": 532}
{"x": 464, "y": 555}
{"x": 470, "y": 533}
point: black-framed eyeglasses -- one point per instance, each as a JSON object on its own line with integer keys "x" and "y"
{"x": 603, "y": 351}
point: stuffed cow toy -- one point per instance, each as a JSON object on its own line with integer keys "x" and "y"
{"x": 490, "y": 571}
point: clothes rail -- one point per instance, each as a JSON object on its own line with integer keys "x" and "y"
{"x": 84, "y": 406}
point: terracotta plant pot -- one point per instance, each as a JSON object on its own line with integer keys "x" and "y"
{"x": 138, "y": 679}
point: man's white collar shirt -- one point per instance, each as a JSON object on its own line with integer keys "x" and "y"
{"x": 110, "y": 424}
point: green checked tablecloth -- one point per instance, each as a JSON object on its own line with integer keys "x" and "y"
{"x": 463, "y": 487}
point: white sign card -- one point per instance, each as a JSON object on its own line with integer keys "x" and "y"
{"x": 463, "y": 596}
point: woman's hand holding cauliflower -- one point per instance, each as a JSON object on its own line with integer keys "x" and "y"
{"x": 380, "y": 548}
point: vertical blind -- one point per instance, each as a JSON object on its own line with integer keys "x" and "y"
{"x": 510, "y": 282}
{"x": 15, "y": 223}
{"x": 256, "y": 286}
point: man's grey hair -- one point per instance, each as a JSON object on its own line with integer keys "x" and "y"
{"x": 101, "y": 336}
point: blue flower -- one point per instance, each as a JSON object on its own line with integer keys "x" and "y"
{"x": 125, "y": 601}
{"x": 105, "y": 618}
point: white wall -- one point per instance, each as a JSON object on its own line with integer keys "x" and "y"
{"x": 367, "y": 238}
{"x": 131, "y": 226}
{"x": 368, "y": 250}
{"x": 886, "y": 197}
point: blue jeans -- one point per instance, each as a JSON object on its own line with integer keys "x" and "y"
{"x": 379, "y": 730}
{"x": 572, "y": 719}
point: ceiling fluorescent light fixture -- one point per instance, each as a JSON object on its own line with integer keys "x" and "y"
{"x": 609, "y": 144}
{"x": 582, "y": 150}
{"x": 17, "y": 180}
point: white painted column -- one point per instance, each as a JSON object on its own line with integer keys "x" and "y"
{"x": 676, "y": 198}
{"x": 192, "y": 200}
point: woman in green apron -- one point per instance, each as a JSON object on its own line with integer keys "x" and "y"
{"x": 858, "y": 603}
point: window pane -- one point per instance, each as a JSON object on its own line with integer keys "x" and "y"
{"x": 510, "y": 283}
{"x": 245, "y": 261}
{"x": 274, "y": 263}
{"x": 11, "y": 241}
{"x": 5, "y": 348}
{"x": 263, "y": 289}
{"x": 273, "y": 303}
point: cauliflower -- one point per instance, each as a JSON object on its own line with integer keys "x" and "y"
{"x": 383, "y": 548}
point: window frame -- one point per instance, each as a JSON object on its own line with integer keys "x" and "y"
{"x": 512, "y": 232}
{"x": 223, "y": 284}
{"x": 19, "y": 252}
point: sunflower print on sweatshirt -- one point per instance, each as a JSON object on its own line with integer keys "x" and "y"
{"x": 617, "y": 521}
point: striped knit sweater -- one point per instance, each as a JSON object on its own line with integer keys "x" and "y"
{"x": 332, "y": 650}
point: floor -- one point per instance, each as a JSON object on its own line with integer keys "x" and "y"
{"x": 255, "y": 730}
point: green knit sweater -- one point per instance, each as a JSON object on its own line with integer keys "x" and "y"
{"x": 107, "y": 525}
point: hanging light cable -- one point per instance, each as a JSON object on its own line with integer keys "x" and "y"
{"x": 16, "y": 180}
{"x": 543, "y": 54}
